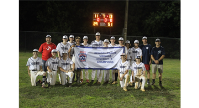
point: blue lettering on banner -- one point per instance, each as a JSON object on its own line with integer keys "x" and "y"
{"x": 102, "y": 58}
{"x": 105, "y": 55}
{"x": 104, "y": 52}
{"x": 105, "y": 62}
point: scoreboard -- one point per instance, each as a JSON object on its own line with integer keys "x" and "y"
{"x": 102, "y": 19}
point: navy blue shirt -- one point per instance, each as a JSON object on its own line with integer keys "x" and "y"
{"x": 157, "y": 53}
{"x": 146, "y": 53}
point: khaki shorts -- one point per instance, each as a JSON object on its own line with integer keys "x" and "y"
{"x": 156, "y": 67}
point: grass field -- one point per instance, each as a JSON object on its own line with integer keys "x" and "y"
{"x": 104, "y": 95}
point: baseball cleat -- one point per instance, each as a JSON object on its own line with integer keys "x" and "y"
{"x": 160, "y": 84}
{"x": 131, "y": 84}
{"x": 153, "y": 83}
{"x": 98, "y": 82}
{"x": 43, "y": 85}
{"x": 106, "y": 82}
{"x": 142, "y": 90}
{"x": 124, "y": 88}
{"x": 115, "y": 82}
{"x": 148, "y": 83}
{"x": 87, "y": 81}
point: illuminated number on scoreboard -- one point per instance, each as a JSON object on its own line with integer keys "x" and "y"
{"x": 103, "y": 19}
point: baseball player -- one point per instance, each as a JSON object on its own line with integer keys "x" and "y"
{"x": 157, "y": 55}
{"x": 61, "y": 47}
{"x": 146, "y": 56}
{"x": 121, "y": 44}
{"x": 71, "y": 42}
{"x": 78, "y": 71}
{"x": 97, "y": 43}
{"x": 138, "y": 72}
{"x": 46, "y": 49}
{"x": 85, "y": 39}
{"x": 128, "y": 44}
{"x": 113, "y": 72}
{"x": 52, "y": 64}
{"x": 64, "y": 65}
{"x": 135, "y": 51}
{"x": 106, "y": 72}
{"x": 34, "y": 64}
{"x": 123, "y": 73}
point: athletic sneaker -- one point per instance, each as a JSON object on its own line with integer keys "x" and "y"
{"x": 115, "y": 82}
{"x": 148, "y": 83}
{"x": 87, "y": 81}
{"x": 153, "y": 83}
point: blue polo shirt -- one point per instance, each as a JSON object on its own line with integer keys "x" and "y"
{"x": 157, "y": 53}
{"x": 146, "y": 53}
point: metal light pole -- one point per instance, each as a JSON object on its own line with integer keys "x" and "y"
{"x": 126, "y": 20}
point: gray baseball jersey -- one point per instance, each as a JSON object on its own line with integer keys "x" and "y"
{"x": 136, "y": 66}
{"x": 97, "y": 44}
{"x": 52, "y": 63}
{"x": 61, "y": 47}
{"x": 135, "y": 52}
{"x": 65, "y": 64}
{"x": 34, "y": 64}
{"x": 122, "y": 67}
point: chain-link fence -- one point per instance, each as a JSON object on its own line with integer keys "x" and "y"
{"x": 29, "y": 40}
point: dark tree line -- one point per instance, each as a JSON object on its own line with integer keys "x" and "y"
{"x": 150, "y": 18}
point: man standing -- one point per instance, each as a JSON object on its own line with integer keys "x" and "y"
{"x": 61, "y": 47}
{"x": 113, "y": 72}
{"x": 97, "y": 43}
{"x": 146, "y": 56}
{"x": 71, "y": 42}
{"x": 46, "y": 49}
{"x": 135, "y": 51}
{"x": 157, "y": 55}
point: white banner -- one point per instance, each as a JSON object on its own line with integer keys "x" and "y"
{"x": 97, "y": 57}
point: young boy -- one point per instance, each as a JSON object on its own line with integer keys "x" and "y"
{"x": 85, "y": 39}
{"x": 113, "y": 72}
{"x": 123, "y": 73}
{"x": 106, "y": 72}
{"x": 138, "y": 72}
{"x": 35, "y": 64}
{"x": 64, "y": 65}
{"x": 157, "y": 55}
{"x": 135, "y": 51}
{"x": 52, "y": 64}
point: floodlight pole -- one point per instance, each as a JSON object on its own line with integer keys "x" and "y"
{"x": 126, "y": 20}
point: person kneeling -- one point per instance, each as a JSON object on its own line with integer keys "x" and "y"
{"x": 123, "y": 74}
{"x": 64, "y": 66}
{"x": 138, "y": 72}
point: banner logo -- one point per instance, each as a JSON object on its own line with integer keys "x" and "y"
{"x": 82, "y": 56}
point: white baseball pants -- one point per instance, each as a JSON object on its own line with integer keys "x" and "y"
{"x": 113, "y": 74}
{"x": 137, "y": 81}
{"x": 131, "y": 80}
{"x": 64, "y": 75}
{"x": 34, "y": 75}
{"x": 106, "y": 75}
{"x": 124, "y": 81}
{"x": 52, "y": 76}
{"x": 86, "y": 74}
{"x": 99, "y": 75}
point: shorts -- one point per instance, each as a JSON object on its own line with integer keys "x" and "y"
{"x": 147, "y": 66}
{"x": 157, "y": 66}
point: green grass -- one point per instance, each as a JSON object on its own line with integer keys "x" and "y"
{"x": 93, "y": 95}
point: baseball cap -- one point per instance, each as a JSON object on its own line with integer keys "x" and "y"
{"x": 71, "y": 36}
{"x": 157, "y": 40}
{"x": 121, "y": 39}
{"x": 97, "y": 34}
{"x": 123, "y": 54}
{"x": 138, "y": 57}
{"x": 136, "y": 41}
{"x": 112, "y": 37}
{"x": 65, "y": 37}
{"x": 106, "y": 40}
{"x": 127, "y": 41}
{"x": 35, "y": 50}
{"x": 144, "y": 37}
{"x": 85, "y": 37}
{"x": 54, "y": 51}
{"x": 48, "y": 36}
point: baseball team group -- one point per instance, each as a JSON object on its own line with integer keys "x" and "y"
{"x": 133, "y": 64}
